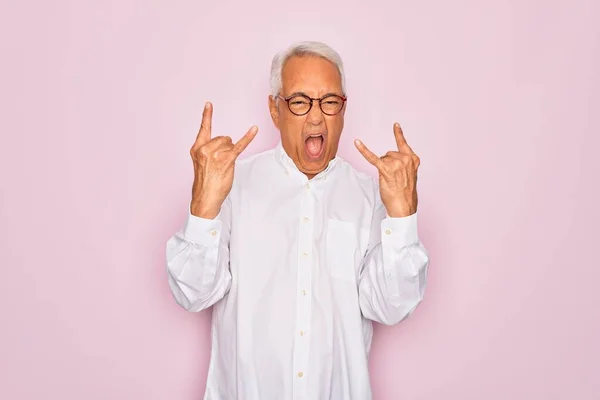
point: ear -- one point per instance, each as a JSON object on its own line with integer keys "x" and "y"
{"x": 274, "y": 111}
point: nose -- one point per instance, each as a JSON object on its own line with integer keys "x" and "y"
{"x": 315, "y": 115}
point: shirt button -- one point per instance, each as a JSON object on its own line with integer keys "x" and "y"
{"x": 305, "y": 219}
{"x": 300, "y": 374}
{"x": 303, "y": 293}
{"x": 214, "y": 233}
{"x": 302, "y": 333}
{"x": 388, "y": 232}
{"x": 304, "y": 254}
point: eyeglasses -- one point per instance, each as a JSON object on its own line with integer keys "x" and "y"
{"x": 300, "y": 104}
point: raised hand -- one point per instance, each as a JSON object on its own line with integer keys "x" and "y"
{"x": 397, "y": 175}
{"x": 214, "y": 162}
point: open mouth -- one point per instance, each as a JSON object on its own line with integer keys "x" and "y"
{"x": 314, "y": 145}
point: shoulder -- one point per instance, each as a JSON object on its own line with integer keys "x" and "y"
{"x": 349, "y": 174}
{"x": 253, "y": 167}
{"x": 357, "y": 187}
{"x": 254, "y": 160}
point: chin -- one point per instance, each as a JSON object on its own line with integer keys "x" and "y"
{"x": 315, "y": 165}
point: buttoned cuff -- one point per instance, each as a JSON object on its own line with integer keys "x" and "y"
{"x": 205, "y": 232}
{"x": 399, "y": 232}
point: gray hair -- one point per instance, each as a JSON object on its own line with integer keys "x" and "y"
{"x": 309, "y": 48}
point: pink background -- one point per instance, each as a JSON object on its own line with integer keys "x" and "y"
{"x": 101, "y": 101}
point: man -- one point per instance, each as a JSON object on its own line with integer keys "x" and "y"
{"x": 296, "y": 250}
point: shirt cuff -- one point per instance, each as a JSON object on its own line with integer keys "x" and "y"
{"x": 203, "y": 231}
{"x": 399, "y": 232}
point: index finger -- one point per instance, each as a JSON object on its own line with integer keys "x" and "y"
{"x": 204, "y": 133}
{"x": 400, "y": 139}
{"x": 368, "y": 154}
{"x": 241, "y": 144}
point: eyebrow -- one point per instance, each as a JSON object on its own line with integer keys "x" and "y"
{"x": 304, "y": 94}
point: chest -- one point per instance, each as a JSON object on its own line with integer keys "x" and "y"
{"x": 300, "y": 228}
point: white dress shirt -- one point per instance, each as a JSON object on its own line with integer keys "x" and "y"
{"x": 297, "y": 270}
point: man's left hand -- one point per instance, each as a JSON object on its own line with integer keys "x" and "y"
{"x": 397, "y": 175}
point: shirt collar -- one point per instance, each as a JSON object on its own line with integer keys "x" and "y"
{"x": 291, "y": 169}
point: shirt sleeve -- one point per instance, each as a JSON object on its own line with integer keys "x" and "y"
{"x": 198, "y": 260}
{"x": 394, "y": 271}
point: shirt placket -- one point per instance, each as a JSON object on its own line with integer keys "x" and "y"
{"x": 303, "y": 292}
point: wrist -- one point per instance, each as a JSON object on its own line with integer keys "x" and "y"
{"x": 204, "y": 210}
{"x": 400, "y": 212}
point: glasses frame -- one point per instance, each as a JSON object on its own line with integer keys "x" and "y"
{"x": 312, "y": 100}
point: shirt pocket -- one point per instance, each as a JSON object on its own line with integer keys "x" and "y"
{"x": 342, "y": 249}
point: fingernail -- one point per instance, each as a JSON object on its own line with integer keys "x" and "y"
{"x": 357, "y": 142}
{"x": 207, "y": 106}
{"x": 397, "y": 125}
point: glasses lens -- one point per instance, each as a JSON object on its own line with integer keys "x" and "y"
{"x": 332, "y": 104}
{"x": 299, "y": 104}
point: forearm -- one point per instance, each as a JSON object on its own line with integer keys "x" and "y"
{"x": 394, "y": 272}
{"x": 198, "y": 263}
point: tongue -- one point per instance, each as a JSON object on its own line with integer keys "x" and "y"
{"x": 313, "y": 146}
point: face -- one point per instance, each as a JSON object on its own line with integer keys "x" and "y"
{"x": 310, "y": 140}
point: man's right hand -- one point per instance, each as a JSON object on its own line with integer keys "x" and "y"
{"x": 214, "y": 162}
